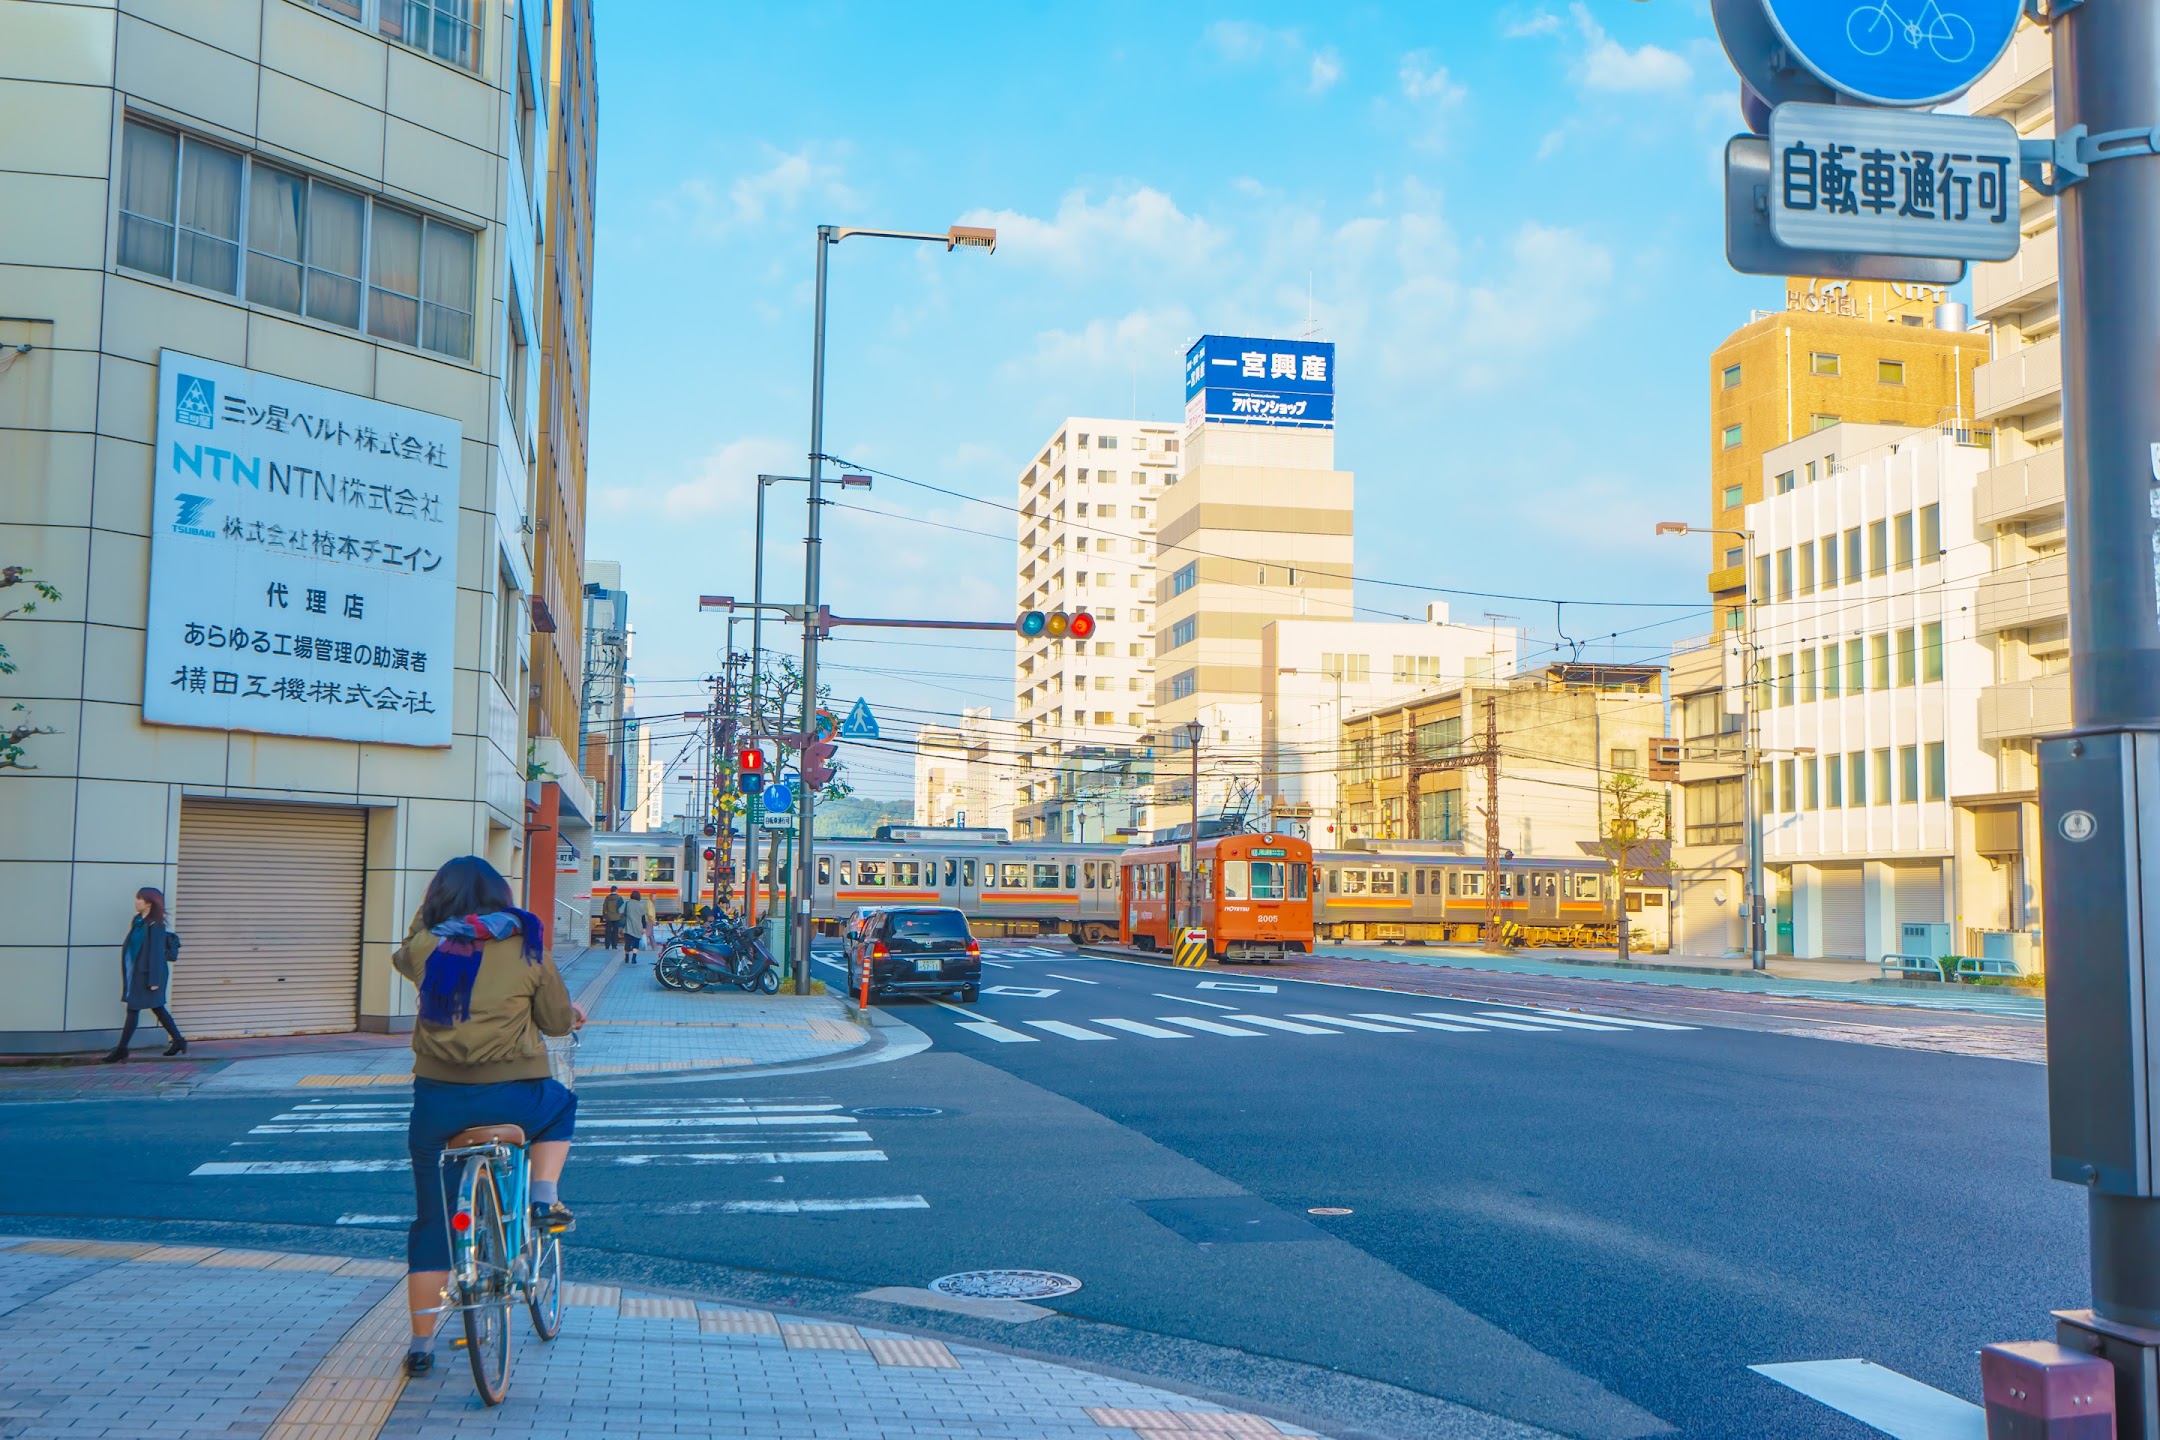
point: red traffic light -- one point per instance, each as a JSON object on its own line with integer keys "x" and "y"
{"x": 1081, "y": 625}
{"x": 710, "y": 852}
{"x": 750, "y": 760}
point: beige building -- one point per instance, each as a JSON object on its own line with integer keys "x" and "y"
{"x": 964, "y": 773}
{"x": 1089, "y": 507}
{"x": 275, "y": 259}
{"x": 1258, "y": 530}
{"x": 2024, "y": 604}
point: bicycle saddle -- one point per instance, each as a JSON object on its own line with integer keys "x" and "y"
{"x": 487, "y": 1135}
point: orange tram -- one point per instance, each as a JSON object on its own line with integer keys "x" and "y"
{"x": 1254, "y": 896}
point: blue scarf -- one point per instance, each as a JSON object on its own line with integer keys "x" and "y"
{"x": 446, "y": 984}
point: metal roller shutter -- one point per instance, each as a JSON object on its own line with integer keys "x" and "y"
{"x": 1844, "y": 908}
{"x": 1919, "y": 892}
{"x": 267, "y": 905}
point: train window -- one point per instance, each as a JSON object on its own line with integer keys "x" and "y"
{"x": 1234, "y": 873}
{"x": 1587, "y": 888}
{"x": 596, "y": 867}
{"x": 1072, "y": 876}
{"x": 1297, "y": 880}
{"x": 1383, "y": 882}
{"x": 1334, "y": 880}
{"x": 1454, "y": 882}
{"x": 824, "y": 869}
{"x": 952, "y": 869}
{"x": 870, "y": 872}
{"x": 1421, "y": 882}
{"x": 1268, "y": 880}
{"x": 847, "y": 872}
{"x": 1046, "y": 876}
{"x": 1473, "y": 883}
{"x": 967, "y": 872}
{"x": 623, "y": 868}
{"x": 1087, "y": 874}
{"x": 1354, "y": 882}
{"x": 1013, "y": 875}
{"x": 660, "y": 869}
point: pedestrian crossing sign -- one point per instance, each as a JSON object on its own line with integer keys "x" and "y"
{"x": 1192, "y": 948}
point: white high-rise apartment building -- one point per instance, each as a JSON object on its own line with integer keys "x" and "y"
{"x": 1088, "y": 509}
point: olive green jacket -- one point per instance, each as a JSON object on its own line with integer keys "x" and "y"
{"x": 515, "y": 1001}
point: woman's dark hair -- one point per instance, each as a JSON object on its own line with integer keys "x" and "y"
{"x": 465, "y": 886}
{"x": 155, "y": 899}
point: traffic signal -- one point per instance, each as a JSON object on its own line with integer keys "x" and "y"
{"x": 710, "y": 853}
{"x": 750, "y": 770}
{"x": 1055, "y": 624}
{"x": 818, "y": 764}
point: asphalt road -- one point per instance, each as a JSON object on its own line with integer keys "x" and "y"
{"x": 1590, "y": 1230}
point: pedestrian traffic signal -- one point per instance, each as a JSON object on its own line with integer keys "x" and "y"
{"x": 750, "y": 770}
{"x": 817, "y": 763}
{"x": 1055, "y": 624}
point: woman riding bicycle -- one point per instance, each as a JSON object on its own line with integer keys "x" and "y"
{"x": 488, "y": 993}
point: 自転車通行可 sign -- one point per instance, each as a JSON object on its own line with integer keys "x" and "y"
{"x": 1893, "y": 182}
{"x": 1896, "y": 52}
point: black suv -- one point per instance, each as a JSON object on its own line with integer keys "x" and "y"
{"x": 915, "y": 950}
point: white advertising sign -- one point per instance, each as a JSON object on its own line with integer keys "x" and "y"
{"x": 303, "y": 560}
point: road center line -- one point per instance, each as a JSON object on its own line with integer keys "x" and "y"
{"x": 1074, "y": 978}
{"x": 1188, "y": 1000}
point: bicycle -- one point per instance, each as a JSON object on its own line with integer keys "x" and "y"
{"x": 1873, "y": 27}
{"x": 497, "y": 1256}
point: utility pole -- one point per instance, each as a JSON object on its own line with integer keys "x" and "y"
{"x": 2097, "y": 784}
{"x": 1467, "y": 757}
{"x": 1193, "y": 731}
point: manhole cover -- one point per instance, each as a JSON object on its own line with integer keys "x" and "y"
{"x": 1329, "y": 1210}
{"x": 1006, "y": 1284}
{"x": 898, "y": 1112}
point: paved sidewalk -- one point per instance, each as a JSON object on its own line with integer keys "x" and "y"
{"x": 637, "y": 1029}
{"x": 192, "y": 1342}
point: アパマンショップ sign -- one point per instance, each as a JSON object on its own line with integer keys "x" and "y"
{"x": 303, "y": 560}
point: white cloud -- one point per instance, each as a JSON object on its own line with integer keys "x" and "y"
{"x": 724, "y": 479}
{"x": 1609, "y": 67}
{"x": 1326, "y": 69}
{"x": 1147, "y": 336}
{"x": 1140, "y": 224}
{"x": 1540, "y": 22}
{"x": 1245, "y": 42}
{"x": 714, "y": 212}
{"x": 1432, "y": 92}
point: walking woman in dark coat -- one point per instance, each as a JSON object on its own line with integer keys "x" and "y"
{"x": 146, "y": 972}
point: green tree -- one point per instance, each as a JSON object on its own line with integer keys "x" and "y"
{"x": 1634, "y": 815}
{"x": 15, "y": 731}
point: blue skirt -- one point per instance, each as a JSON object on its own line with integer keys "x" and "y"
{"x": 544, "y": 1109}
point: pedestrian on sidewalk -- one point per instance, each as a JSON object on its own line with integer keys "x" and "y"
{"x": 488, "y": 993}
{"x": 611, "y": 912}
{"x": 637, "y": 924}
{"x": 146, "y": 958}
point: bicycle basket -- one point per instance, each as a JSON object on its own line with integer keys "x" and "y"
{"x": 561, "y": 1056}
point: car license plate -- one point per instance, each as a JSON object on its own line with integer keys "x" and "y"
{"x": 928, "y": 965}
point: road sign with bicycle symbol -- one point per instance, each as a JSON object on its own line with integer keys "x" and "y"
{"x": 1896, "y": 52}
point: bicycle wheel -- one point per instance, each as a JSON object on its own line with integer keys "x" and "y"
{"x": 1952, "y": 38}
{"x": 667, "y": 968}
{"x": 485, "y": 1283}
{"x": 1870, "y": 31}
{"x": 543, "y": 1296}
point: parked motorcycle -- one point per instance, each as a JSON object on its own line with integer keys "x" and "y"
{"x": 720, "y": 952}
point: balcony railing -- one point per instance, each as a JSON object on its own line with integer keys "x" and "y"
{"x": 2019, "y": 78}
{"x": 2020, "y": 488}
{"x": 2021, "y": 382}
{"x": 2024, "y": 283}
{"x": 2029, "y": 594}
{"x": 2024, "y": 708}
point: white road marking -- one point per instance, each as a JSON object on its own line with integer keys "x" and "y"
{"x": 1423, "y": 1024}
{"x": 1025, "y": 992}
{"x": 1877, "y": 1396}
{"x": 991, "y": 1030}
{"x": 633, "y": 1122}
{"x": 1211, "y": 1026}
{"x": 1494, "y": 1024}
{"x": 1355, "y": 1024}
{"x": 812, "y": 1207}
{"x": 1189, "y": 1000}
{"x": 374, "y": 1219}
{"x": 1070, "y": 1032}
{"x": 752, "y": 1157}
{"x": 1541, "y": 1018}
{"x": 1273, "y": 1023}
{"x": 1074, "y": 978}
{"x": 300, "y": 1167}
{"x": 343, "y": 1128}
{"x": 1639, "y": 1024}
{"x": 995, "y": 966}
{"x": 1249, "y": 986}
{"x": 1140, "y": 1027}
{"x": 819, "y": 1137}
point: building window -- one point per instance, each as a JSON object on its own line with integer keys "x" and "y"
{"x": 1855, "y": 668}
{"x": 1830, "y": 671}
{"x": 1938, "y": 779}
{"x": 1762, "y": 578}
{"x": 1881, "y": 777}
{"x": 1731, "y": 377}
{"x": 1822, "y": 422}
{"x": 1184, "y": 683}
{"x": 1735, "y": 555}
{"x": 1106, "y": 442}
{"x": 1804, "y": 568}
{"x": 1732, "y": 437}
{"x": 1908, "y": 773}
{"x": 1930, "y": 532}
{"x": 1829, "y": 562}
{"x": 1714, "y": 812}
{"x": 1878, "y": 547}
{"x": 1807, "y": 676}
{"x": 1931, "y": 651}
{"x": 1879, "y": 661}
{"x": 515, "y": 349}
{"x": 1784, "y": 574}
{"x": 1785, "y": 483}
{"x": 1185, "y": 578}
{"x": 1856, "y": 778}
{"x": 1890, "y": 372}
{"x": 1766, "y": 785}
{"x": 449, "y": 30}
{"x": 1905, "y": 541}
{"x": 1852, "y": 554}
{"x": 1785, "y": 679}
{"x": 307, "y": 242}
{"x": 1823, "y": 364}
{"x": 1908, "y": 670}
{"x": 506, "y": 631}
{"x": 1735, "y": 496}
{"x": 1623, "y": 758}
{"x": 1788, "y": 793}
{"x": 1810, "y": 785}
{"x": 1833, "y": 783}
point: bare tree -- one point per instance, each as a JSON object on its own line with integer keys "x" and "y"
{"x": 14, "y": 732}
{"x": 1634, "y": 814}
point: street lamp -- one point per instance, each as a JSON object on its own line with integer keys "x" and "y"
{"x": 1748, "y": 740}
{"x": 973, "y": 237}
{"x": 1193, "y": 731}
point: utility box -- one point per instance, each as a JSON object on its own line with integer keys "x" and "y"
{"x": 2039, "y": 1390}
{"x": 1923, "y": 937}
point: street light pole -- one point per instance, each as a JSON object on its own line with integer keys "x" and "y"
{"x": 1193, "y": 731}
{"x": 1749, "y": 742}
{"x": 973, "y": 237}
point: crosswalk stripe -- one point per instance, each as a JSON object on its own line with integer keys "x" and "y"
{"x": 1074, "y": 978}
{"x": 1494, "y": 1024}
{"x": 1355, "y": 1024}
{"x": 1275, "y": 1023}
{"x": 1542, "y": 1018}
{"x": 1628, "y": 1022}
{"x": 1422, "y": 1024}
{"x": 1188, "y": 1000}
{"x": 1070, "y": 1032}
{"x": 1213, "y": 1027}
{"x": 299, "y": 1167}
{"x": 991, "y": 1030}
{"x": 1138, "y": 1027}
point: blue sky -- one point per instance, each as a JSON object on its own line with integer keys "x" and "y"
{"x": 1509, "y": 219}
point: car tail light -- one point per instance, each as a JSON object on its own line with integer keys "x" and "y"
{"x": 462, "y": 1221}
{"x": 879, "y": 952}
{"x": 975, "y": 949}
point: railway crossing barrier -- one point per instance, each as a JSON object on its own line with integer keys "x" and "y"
{"x": 1192, "y": 947}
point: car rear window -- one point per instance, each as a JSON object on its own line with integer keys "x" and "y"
{"x": 929, "y": 925}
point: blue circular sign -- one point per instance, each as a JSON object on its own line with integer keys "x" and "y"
{"x": 1896, "y": 52}
{"x": 779, "y": 797}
